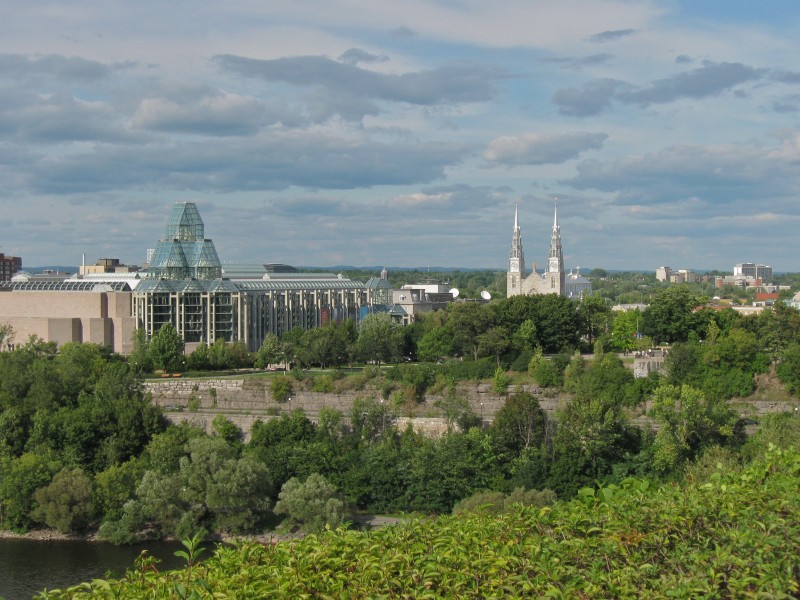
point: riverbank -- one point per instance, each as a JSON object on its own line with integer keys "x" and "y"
{"x": 360, "y": 522}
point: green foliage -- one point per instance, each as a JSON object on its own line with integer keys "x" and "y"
{"x": 19, "y": 479}
{"x": 378, "y": 339}
{"x": 501, "y": 381}
{"x": 281, "y": 389}
{"x": 435, "y": 344}
{"x": 544, "y": 371}
{"x": 166, "y": 349}
{"x": 789, "y": 368}
{"x": 66, "y": 503}
{"x": 688, "y": 422}
{"x": 594, "y": 314}
{"x": 115, "y": 486}
{"x": 419, "y": 376}
{"x": 312, "y": 504}
{"x": 520, "y": 424}
{"x": 323, "y": 384}
{"x": 781, "y": 430}
{"x": 452, "y": 467}
{"x": 557, "y": 324}
{"x": 497, "y": 503}
{"x": 270, "y": 353}
{"x": 457, "y": 412}
{"x": 734, "y": 535}
{"x": 139, "y": 358}
{"x": 228, "y": 431}
{"x": 669, "y": 317}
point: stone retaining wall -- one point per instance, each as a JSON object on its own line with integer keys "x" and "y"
{"x": 244, "y": 401}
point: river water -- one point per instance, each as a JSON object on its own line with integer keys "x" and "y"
{"x": 29, "y": 566}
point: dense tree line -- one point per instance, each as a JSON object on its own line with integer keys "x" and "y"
{"x": 81, "y": 446}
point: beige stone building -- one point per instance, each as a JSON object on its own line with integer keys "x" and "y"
{"x": 69, "y": 311}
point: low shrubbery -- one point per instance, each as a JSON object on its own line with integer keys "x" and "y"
{"x": 735, "y": 535}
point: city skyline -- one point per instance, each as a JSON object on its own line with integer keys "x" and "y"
{"x": 346, "y": 132}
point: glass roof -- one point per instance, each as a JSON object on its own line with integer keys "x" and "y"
{"x": 66, "y": 286}
{"x": 184, "y": 223}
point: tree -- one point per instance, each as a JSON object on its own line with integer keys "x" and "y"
{"x": 669, "y": 316}
{"x": 520, "y": 424}
{"x": 435, "y": 344}
{"x": 66, "y": 503}
{"x": 312, "y": 504}
{"x": 19, "y": 479}
{"x": 378, "y": 338}
{"x": 443, "y": 471}
{"x": 270, "y": 353}
{"x": 458, "y": 412}
{"x": 544, "y": 370}
{"x": 594, "y": 313}
{"x": 200, "y": 359}
{"x": 139, "y": 358}
{"x": 555, "y": 317}
{"x": 280, "y": 389}
{"x": 166, "y": 349}
{"x": 624, "y": 329}
{"x": 789, "y": 368}
{"x": 688, "y": 423}
{"x": 494, "y": 342}
{"x": 465, "y": 322}
{"x": 6, "y": 336}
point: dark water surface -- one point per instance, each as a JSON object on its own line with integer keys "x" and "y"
{"x": 29, "y": 566}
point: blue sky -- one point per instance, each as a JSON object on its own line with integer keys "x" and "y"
{"x": 370, "y": 133}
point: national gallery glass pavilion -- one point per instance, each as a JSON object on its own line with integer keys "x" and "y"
{"x": 186, "y": 284}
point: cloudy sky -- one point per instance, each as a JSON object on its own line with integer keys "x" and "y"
{"x": 329, "y": 132}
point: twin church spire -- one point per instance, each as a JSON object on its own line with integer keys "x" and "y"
{"x": 552, "y": 280}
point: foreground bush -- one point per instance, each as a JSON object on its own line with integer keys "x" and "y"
{"x": 738, "y": 535}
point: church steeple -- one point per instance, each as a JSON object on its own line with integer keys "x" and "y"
{"x": 516, "y": 259}
{"x": 555, "y": 262}
{"x": 517, "y": 256}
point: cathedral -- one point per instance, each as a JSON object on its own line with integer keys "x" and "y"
{"x": 553, "y": 280}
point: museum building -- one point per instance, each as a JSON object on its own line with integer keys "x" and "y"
{"x": 184, "y": 284}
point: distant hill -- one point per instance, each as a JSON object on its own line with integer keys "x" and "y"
{"x": 378, "y": 268}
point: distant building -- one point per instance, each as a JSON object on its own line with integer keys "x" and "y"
{"x": 747, "y": 275}
{"x": 551, "y": 281}
{"x": 576, "y": 285}
{"x": 663, "y": 273}
{"x": 9, "y": 265}
{"x": 667, "y": 275}
{"x": 187, "y": 286}
{"x": 107, "y": 265}
{"x": 751, "y": 271}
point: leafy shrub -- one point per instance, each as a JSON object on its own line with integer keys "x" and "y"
{"x": 323, "y": 384}
{"x": 281, "y": 389}
{"x": 500, "y": 383}
{"x": 520, "y": 364}
{"x": 66, "y": 504}
{"x": 733, "y": 537}
{"x": 497, "y": 503}
{"x": 475, "y": 370}
{"x": 312, "y": 504}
